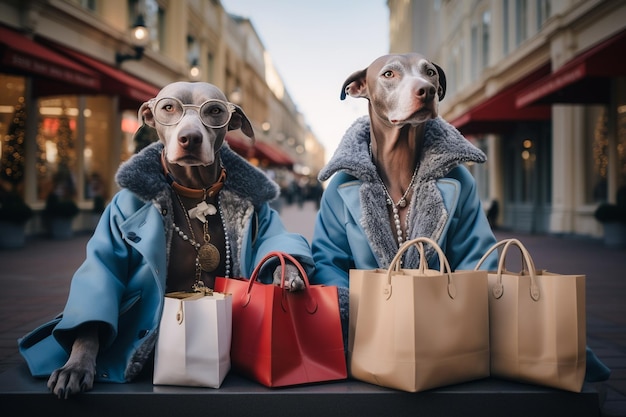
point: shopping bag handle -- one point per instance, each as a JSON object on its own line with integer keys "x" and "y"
{"x": 444, "y": 266}
{"x": 282, "y": 257}
{"x": 527, "y": 266}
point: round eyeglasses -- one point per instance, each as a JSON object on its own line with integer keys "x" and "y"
{"x": 214, "y": 113}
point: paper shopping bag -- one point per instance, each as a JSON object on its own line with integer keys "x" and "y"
{"x": 414, "y": 330}
{"x": 193, "y": 345}
{"x": 285, "y": 338}
{"x": 537, "y": 323}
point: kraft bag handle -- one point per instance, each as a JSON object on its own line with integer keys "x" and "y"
{"x": 282, "y": 257}
{"x": 527, "y": 266}
{"x": 444, "y": 266}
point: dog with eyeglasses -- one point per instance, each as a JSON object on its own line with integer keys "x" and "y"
{"x": 189, "y": 210}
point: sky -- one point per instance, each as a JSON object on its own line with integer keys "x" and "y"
{"x": 315, "y": 45}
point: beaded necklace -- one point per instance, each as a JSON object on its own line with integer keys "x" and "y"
{"x": 401, "y": 203}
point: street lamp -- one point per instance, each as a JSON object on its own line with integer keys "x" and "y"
{"x": 194, "y": 71}
{"x": 139, "y": 38}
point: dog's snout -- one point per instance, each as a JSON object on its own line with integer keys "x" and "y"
{"x": 426, "y": 92}
{"x": 188, "y": 138}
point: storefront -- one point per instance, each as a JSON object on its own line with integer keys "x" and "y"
{"x": 66, "y": 121}
{"x": 518, "y": 144}
{"x": 588, "y": 94}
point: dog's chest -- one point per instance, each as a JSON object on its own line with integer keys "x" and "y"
{"x": 198, "y": 249}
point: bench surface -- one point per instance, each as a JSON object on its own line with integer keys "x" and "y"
{"x": 21, "y": 394}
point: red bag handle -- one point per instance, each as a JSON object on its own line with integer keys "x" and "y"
{"x": 282, "y": 257}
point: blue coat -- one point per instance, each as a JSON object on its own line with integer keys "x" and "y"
{"x": 121, "y": 283}
{"x": 353, "y": 228}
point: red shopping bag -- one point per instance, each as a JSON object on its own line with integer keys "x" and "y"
{"x": 283, "y": 338}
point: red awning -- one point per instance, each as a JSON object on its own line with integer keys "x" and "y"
{"x": 499, "y": 114}
{"x": 263, "y": 151}
{"x": 273, "y": 154}
{"x": 132, "y": 91}
{"x": 21, "y": 55}
{"x": 586, "y": 79}
{"x": 240, "y": 145}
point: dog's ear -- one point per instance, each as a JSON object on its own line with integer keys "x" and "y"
{"x": 442, "y": 82}
{"x": 145, "y": 114}
{"x": 355, "y": 85}
{"x": 239, "y": 120}
{"x": 146, "y": 133}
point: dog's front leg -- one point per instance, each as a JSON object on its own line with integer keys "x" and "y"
{"x": 78, "y": 373}
{"x": 293, "y": 280}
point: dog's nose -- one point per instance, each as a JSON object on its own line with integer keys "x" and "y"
{"x": 189, "y": 137}
{"x": 426, "y": 92}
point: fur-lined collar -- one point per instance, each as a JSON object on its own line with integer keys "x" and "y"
{"x": 143, "y": 175}
{"x": 444, "y": 148}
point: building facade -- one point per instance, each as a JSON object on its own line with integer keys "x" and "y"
{"x": 540, "y": 86}
{"x": 71, "y": 82}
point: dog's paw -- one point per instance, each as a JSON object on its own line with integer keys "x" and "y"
{"x": 78, "y": 373}
{"x": 71, "y": 379}
{"x": 293, "y": 280}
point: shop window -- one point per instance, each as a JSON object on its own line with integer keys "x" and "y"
{"x": 75, "y": 137}
{"x": 621, "y": 145}
{"x": 597, "y": 154}
{"x": 98, "y": 169}
{"x": 12, "y": 131}
{"x": 57, "y": 149}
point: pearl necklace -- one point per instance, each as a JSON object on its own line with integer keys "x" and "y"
{"x": 401, "y": 203}
{"x": 207, "y": 251}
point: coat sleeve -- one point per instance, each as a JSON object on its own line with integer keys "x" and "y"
{"x": 98, "y": 285}
{"x": 331, "y": 249}
{"x": 469, "y": 235}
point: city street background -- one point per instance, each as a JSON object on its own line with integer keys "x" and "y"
{"x": 35, "y": 282}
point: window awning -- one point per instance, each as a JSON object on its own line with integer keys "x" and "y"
{"x": 273, "y": 154}
{"x": 583, "y": 80}
{"x": 499, "y": 113}
{"x": 242, "y": 146}
{"x": 263, "y": 151}
{"x": 132, "y": 91}
{"x": 22, "y": 55}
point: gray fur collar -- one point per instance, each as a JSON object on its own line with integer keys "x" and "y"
{"x": 444, "y": 149}
{"x": 143, "y": 175}
{"x": 245, "y": 188}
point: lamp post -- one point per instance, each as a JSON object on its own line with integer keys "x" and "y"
{"x": 139, "y": 38}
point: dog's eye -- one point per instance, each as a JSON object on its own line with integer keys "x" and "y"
{"x": 388, "y": 74}
{"x": 431, "y": 72}
{"x": 168, "y": 108}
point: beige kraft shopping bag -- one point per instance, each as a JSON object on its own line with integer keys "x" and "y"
{"x": 537, "y": 323}
{"x": 193, "y": 346}
{"x": 418, "y": 329}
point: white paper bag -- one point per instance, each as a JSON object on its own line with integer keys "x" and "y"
{"x": 193, "y": 346}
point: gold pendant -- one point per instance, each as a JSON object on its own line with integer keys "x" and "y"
{"x": 208, "y": 257}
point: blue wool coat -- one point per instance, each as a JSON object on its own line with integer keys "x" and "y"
{"x": 353, "y": 228}
{"x": 121, "y": 283}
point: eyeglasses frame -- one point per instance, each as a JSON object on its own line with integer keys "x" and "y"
{"x": 229, "y": 106}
